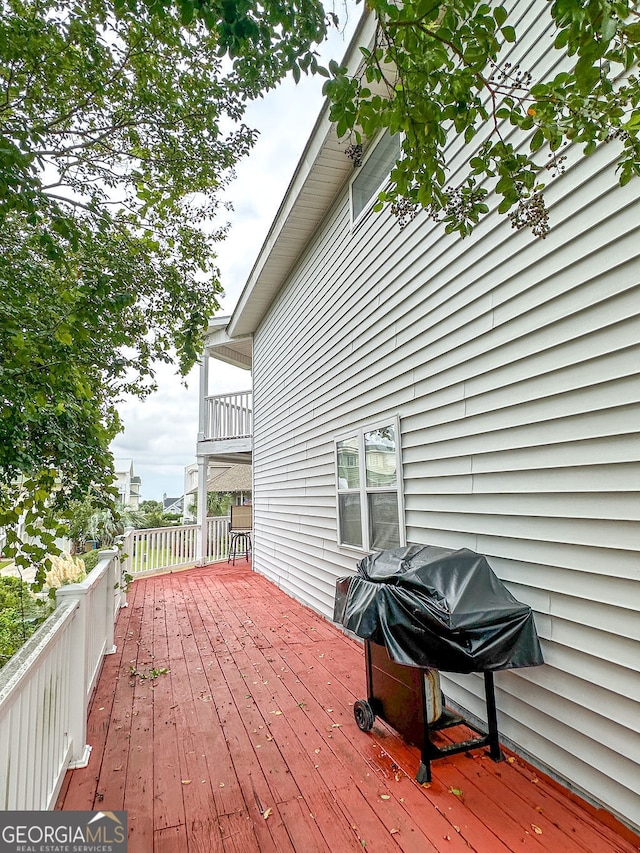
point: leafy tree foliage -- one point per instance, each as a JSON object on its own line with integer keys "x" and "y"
{"x": 150, "y": 514}
{"x": 439, "y": 70}
{"x": 120, "y": 125}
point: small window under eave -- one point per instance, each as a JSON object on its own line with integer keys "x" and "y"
{"x": 374, "y": 173}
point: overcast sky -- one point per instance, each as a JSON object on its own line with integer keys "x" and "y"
{"x": 160, "y": 433}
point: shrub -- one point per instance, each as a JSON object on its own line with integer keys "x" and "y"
{"x": 90, "y": 560}
{"x": 20, "y": 615}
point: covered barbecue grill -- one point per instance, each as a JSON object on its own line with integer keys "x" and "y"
{"x": 425, "y": 608}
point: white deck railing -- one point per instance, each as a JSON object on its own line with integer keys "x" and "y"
{"x": 229, "y": 416}
{"x": 217, "y": 544}
{"x": 166, "y": 548}
{"x": 46, "y": 687}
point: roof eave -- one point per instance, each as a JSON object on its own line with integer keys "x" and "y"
{"x": 320, "y": 174}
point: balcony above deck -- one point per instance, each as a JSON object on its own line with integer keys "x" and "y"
{"x": 228, "y": 427}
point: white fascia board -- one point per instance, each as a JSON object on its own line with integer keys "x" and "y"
{"x": 286, "y": 241}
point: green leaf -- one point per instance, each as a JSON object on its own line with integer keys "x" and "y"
{"x": 509, "y": 34}
{"x": 537, "y": 141}
{"x": 632, "y": 32}
{"x": 500, "y": 15}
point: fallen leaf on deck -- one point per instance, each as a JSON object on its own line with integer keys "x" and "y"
{"x": 385, "y": 797}
{"x": 456, "y": 792}
{"x": 118, "y": 768}
{"x": 511, "y": 760}
{"x": 221, "y": 785}
{"x": 266, "y": 813}
{"x": 536, "y": 829}
{"x": 186, "y": 781}
{"x": 394, "y": 831}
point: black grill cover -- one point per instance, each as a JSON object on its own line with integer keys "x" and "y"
{"x": 433, "y": 607}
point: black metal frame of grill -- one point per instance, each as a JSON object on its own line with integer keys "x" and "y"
{"x": 411, "y": 679}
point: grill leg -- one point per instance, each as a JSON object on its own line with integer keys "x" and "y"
{"x": 492, "y": 718}
{"x": 424, "y": 771}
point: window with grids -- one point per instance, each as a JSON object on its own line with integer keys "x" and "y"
{"x": 370, "y": 516}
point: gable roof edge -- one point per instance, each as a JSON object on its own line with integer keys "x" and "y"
{"x": 319, "y": 175}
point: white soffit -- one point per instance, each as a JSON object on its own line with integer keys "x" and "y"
{"x": 320, "y": 173}
{"x": 218, "y": 344}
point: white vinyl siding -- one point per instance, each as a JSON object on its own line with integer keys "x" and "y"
{"x": 514, "y": 366}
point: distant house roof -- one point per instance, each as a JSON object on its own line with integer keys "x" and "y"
{"x": 172, "y": 504}
{"x": 228, "y": 478}
{"x": 235, "y": 478}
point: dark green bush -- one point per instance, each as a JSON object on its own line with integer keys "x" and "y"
{"x": 20, "y": 615}
{"x": 90, "y": 559}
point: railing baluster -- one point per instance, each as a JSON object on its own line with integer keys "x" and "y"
{"x": 229, "y": 416}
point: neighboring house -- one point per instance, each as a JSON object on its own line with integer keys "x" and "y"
{"x": 190, "y": 489}
{"x": 410, "y": 386}
{"x": 127, "y": 484}
{"x": 223, "y": 478}
{"x": 172, "y": 506}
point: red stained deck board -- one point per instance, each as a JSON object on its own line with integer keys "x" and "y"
{"x": 168, "y": 805}
{"x": 137, "y": 769}
{"x": 249, "y": 777}
{"x": 198, "y": 733}
{"x": 172, "y": 839}
{"x": 339, "y": 763}
{"x": 204, "y": 754}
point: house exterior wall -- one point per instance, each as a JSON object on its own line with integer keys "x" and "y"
{"x": 512, "y": 363}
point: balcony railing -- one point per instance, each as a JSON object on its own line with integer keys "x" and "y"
{"x": 229, "y": 416}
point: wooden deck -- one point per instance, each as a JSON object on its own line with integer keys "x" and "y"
{"x": 224, "y": 722}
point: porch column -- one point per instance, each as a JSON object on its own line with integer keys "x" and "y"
{"x": 201, "y": 551}
{"x": 204, "y": 390}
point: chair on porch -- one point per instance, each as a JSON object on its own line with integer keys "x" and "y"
{"x": 240, "y": 532}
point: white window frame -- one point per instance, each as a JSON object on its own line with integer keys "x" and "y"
{"x": 363, "y": 490}
{"x": 357, "y": 172}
